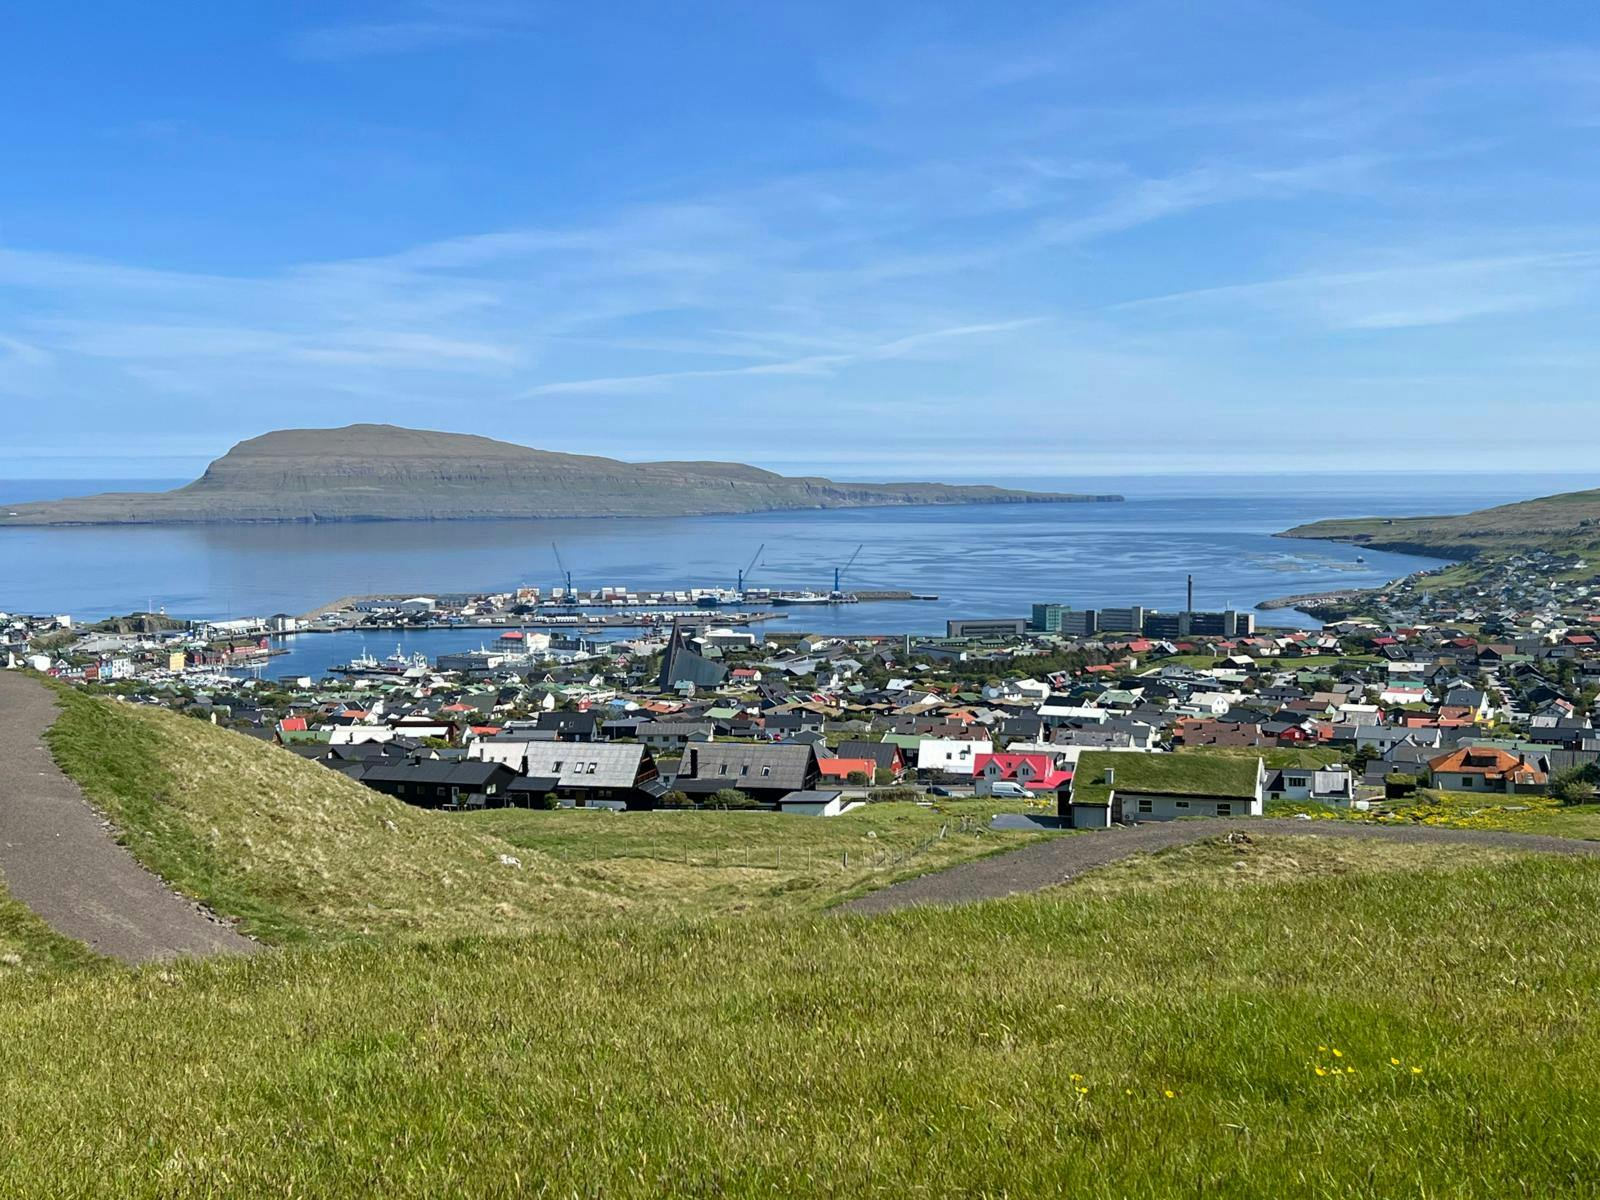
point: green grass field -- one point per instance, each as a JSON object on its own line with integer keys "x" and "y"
{"x": 1083, "y": 1042}
{"x": 1465, "y": 810}
{"x": 1278, "y": 1017}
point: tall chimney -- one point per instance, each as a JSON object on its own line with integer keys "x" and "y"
{"x": 1190, "y": 605}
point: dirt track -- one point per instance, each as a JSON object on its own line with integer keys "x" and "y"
{"x": 57, "y": 855}
{"x": 1045, "y": 864}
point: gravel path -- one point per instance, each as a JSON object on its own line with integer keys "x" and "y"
{"x": 58, "y": 857}
{"x": 1045, "y": 864}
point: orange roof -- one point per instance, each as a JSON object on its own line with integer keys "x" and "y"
{"x": 1493, "y": 764}
{"x": 843, "y": 768}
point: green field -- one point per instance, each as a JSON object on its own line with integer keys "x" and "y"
{"x": 1277, "y": 1017}
{"x": 1083, "y": 1042}
{"x": 1464, "y": 810}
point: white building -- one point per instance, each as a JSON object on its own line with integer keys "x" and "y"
{"x": 1321, "y": 785}
{"x": 949, "y": 757}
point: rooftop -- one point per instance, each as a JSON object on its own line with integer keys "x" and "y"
{"x": 1187, "y": 774}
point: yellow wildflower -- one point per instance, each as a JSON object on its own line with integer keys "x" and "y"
{"x": 1416, "y": 1070}
{"x": 1394, "y": 1062}
{"x": 1320, "y": 1071}
{"x": 1170, "y": 1093}
{"x": 1338, "y": 1053}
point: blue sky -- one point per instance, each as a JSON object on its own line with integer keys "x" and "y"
{"x": 872, "y": 239}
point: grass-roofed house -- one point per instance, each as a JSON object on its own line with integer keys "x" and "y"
{"x": 1110, "y": 787}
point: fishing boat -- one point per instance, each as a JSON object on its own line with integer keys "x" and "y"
{"x": 802, "y": 598}
{"x": 361, "y": 664}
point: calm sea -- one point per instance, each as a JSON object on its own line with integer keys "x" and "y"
{"x": 980, "y": 560}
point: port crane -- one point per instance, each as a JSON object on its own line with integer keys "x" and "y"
{"x": 744, "y": 575}
{"x": 840, "y": 572}
{"x": 570, "y": 595}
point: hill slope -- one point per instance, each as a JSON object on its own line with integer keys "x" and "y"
{"x": 1569, "y": 521}
{"x": 297, "y": 852}
{"x": 385, "y": 473}
{"x": 1255, "y": 1020}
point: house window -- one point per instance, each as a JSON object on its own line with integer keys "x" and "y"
{"x": 1466, "y": 781}
{"x": 592, "y": 767}
{"x": 1182, "y": 804}
{"x": 1224, "y": 810}
{"x": 556, "y": 766}
{"x": 1146, "y": 806}
{"x": 765, "y": 771}
{"x": 745, "y": 769}
{"x": 1297, "y": 781}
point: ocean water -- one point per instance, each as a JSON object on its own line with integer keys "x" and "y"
{"x": 981, "y": 560}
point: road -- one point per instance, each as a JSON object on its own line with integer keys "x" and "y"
{"x": 58, "y": 857}
{"x": 1045, "y": 864}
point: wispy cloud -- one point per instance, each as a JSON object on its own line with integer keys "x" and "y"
{"x": 820, "y": 365}
{"x": 1407, "y": 295}
{"x": 434, "y": 25}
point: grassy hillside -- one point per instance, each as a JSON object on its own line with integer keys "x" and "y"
{"x": 30, "y": 947}
{"x": 726, "y": 862}
{"x": 1570, "y": 521}
{"x": 298, "y": 852}
{"x": 1285, "y": 1019}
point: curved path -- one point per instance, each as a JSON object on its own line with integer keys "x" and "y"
{"x": 58, "y": 857}
{"x": 1057, "y": 860}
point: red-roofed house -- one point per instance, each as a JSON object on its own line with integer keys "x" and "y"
{"x": 841, "y": 769}
{"x": 1036, "y": 772}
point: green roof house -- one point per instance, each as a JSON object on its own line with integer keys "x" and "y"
{"x": 1112, "y": 788}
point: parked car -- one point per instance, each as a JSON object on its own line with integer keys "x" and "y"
{"x": 1008, "y": 788}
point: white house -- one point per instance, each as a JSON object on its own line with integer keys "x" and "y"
{"x": 1017, "y": 691}
{"x": 1322, "y": 785}
{"x": 949, "y": 757}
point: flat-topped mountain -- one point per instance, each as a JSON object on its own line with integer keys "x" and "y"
{"x": 1570, "y": 520}
{"x": 386, "y": 473}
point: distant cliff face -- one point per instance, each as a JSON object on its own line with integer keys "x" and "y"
{"x": 385, "y": 473}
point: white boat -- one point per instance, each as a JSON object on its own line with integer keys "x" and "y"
{"x": 802, "y": 598}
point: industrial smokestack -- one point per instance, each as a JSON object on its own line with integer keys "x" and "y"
{"x": 1189, "y": 607}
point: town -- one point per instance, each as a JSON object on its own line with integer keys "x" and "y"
{"x": 1443, "y": 697}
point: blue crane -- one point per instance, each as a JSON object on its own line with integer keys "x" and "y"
{"x": 839, "y": 572}
{"x": 571, "y": 596}
{"x": 745, "y": 574}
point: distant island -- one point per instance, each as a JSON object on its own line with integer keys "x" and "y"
{"x": 1567, "y": 522}
{"x": 387, "y": 473}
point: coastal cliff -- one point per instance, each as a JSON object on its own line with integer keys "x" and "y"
{"x": 387, "y": 473}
